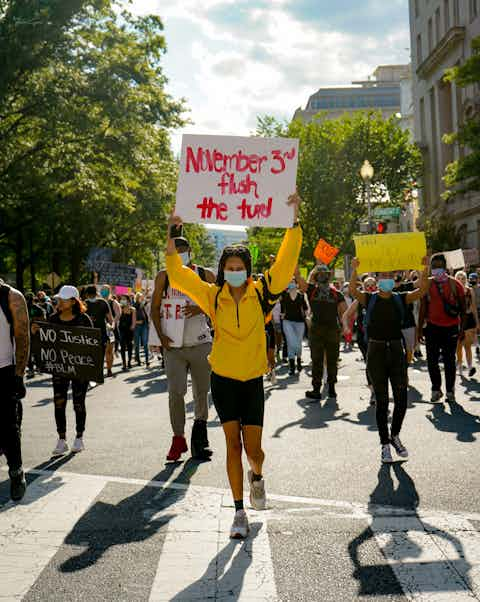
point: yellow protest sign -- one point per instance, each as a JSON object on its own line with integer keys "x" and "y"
{"x": 389, "y": 252}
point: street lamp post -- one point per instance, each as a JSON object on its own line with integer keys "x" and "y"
{"x": 367, "y": 172}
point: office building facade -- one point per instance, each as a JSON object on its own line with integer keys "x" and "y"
{"x": 441, "y": 35}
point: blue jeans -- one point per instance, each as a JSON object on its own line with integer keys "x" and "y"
{"x": 294, "y": 332}
{"x": 141, "y": 338}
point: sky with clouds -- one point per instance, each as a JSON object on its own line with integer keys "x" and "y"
{"x": 235, "y": 59}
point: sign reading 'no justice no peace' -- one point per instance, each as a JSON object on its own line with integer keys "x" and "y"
{"x": 237, "y": 181}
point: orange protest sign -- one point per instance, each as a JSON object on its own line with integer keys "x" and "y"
{"x": 325, "y": 252}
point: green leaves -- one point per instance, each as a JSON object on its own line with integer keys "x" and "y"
{"x": 84, "y": 140}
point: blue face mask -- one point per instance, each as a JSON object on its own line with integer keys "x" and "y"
{"x": 292, "y": 286}
{"x": 438, "y": 272}
{"x": 105, "y": 294}
{"x": 236, "y": 279}
{"x": 185, "y": 257}
{"x": 386, "y": 285}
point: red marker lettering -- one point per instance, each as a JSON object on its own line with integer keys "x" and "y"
{"x": 167, "y": 307}
{"x": 255, "y": 211}
{"x": 209, "y": 208}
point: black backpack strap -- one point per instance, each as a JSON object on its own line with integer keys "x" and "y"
{"x": 267, "y": 299}
{"x": 166, "y": 285}
{"x": 4, "y": 304}
{"x": 202, "y": 273}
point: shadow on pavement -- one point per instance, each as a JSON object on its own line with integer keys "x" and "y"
{"x": 106, "y": 525}
{"x": 403, "y": 547}
{"x": 227, "y": 583}
{"x": 51, "y": 482}
{"x": 315, "y": 416}
{"x": 458, "y": 421}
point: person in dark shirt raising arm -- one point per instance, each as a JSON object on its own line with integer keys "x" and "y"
{"x": 386, "y": 358}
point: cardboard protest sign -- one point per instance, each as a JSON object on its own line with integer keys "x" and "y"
{"x": 237, "y": 180}
{"x": 324, "y": 252}
{"x": 390, "y": 252}
{"x": 455, "y": 259}
{"x": 118, "y": 274}
{"x": 72, "y": 351}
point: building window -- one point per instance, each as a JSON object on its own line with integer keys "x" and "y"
{"x": 473, "y": 9}
{"x": 419, "y": 49}
{"x": 456, "y": 13}
{"x": 446, "y": 14}
{"x": 417, "y": 8}
{"x": 430, "y": 36}
{"x": 438, "y": 34}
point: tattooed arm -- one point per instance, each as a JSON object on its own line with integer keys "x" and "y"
{"x": 18, "y": 307}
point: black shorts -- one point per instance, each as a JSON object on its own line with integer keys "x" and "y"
{"x": 239, "y": 401}
{"x": 470, "y": 322}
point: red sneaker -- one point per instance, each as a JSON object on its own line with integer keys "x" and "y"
{"x": 179, "y": 446}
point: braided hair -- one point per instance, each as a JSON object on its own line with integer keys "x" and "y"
{"x": 239, "y": 251}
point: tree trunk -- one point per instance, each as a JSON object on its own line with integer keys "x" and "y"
{"x": 33, "y": 279}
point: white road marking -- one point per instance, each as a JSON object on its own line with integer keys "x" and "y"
{"x": 32, "y": 532}
{"x": 435, "y": 555}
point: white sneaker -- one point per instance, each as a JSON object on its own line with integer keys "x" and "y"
{"x": 386, "y": 454}
{"x": 258, "y": 498}
{"x": 399, "y": 447}
{"x": 240, "y": 528}
{"x": 78, "y": 445}
{"x": 273, "y": 378}
{"x": 61, "y": 448}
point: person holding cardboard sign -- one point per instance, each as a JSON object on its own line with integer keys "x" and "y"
{"x": 386, "y": 358}
{"x": 239, "y": 307}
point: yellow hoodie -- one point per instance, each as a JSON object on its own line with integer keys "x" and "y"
{"x": 239, "y": 349}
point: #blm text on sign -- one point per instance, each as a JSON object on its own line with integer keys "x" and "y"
{"x": 390, "y": 252}
{"x": 71, "y": 351}
{"x": 236, "y": 180}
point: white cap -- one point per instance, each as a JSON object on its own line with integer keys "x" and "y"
{"x": 68, "y": 292}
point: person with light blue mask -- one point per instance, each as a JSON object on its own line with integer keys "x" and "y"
{"x": 294, "y": 308}
{"x": 385, "y": 318}
{"x": 239, "y": 308}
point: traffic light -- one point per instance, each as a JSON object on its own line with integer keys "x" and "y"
{"x": 382, "y": 227}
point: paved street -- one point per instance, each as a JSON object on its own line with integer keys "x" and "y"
{"x": 117, "y": 523}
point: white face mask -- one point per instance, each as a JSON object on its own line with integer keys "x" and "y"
{"x": 185, "y": 257}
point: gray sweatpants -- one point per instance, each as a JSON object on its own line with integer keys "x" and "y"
{"x": 177, "y": 364}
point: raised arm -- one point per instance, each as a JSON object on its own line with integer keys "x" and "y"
{"x": 184, "y": 279}
{"x": 301, "y": 282}
{"x": 354, "y": 290}
{"x": 283, "y": 269}
{"x": 423, "y": 284}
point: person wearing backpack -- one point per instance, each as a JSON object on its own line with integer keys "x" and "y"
{"x": 14, "y": 350}
{"x": 327, "y": 305}
{"x": 385, "y": 317}
{"x": 443, "y": 310}
{"x": 186, "y": 339}
{"x": 239, "y": 308}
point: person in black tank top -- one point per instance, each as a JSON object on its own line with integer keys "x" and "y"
{"x": 126, "y": 328}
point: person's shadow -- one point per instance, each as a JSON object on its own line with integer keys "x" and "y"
{"x": 315, "y": 416}
{"x": 45, "y": 483}
{"x": 398, "y": 545}
{"x": 457, "y": 421}
{"x": 106, "y": 525}
{"x": 226, "y": 583}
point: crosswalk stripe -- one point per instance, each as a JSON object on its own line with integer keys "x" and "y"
{"x": 200, "y": 562}
{"x": 435, "y": 558}
{"x": 32, "y": 532}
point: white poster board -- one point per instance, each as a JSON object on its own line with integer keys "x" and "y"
{"x": 237, "y": 181}
{"x": 455, "y": 259}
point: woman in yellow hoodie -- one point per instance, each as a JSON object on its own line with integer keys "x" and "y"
{"x": 237, "y": 306}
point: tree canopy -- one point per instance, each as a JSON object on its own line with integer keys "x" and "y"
{"x": 85, "y": 158}
{"x": 330, "y": 156}
{"x": 463, "y": 175}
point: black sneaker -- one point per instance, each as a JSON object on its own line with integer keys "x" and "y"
{"x": 331, "y": 392}
{"x": 314, "y": 394}
{"x": 18, "y": 484}
{"x": 299, "y": 364}
{"x": 418, "y": 354}
{"x": 291, "y": 371}
{"x": 472, "y": 371}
